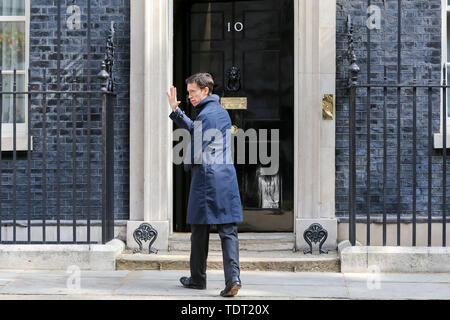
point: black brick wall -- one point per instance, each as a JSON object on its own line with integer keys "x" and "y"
{"x": 43, "y": 56}
{"x": 420, "y": 48}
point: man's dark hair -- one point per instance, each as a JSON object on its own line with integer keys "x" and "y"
{"x": 203, "y": 80}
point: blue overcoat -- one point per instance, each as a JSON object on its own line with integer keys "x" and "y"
{"x": 214, "y": 194}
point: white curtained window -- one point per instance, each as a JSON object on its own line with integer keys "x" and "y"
{"x": 13, "y": 55}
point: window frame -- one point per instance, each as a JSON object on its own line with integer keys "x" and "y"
{"x": 438, "y": 137}
{"x": 21, "y": 128}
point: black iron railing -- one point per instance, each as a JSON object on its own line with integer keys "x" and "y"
{"x": 378, "y": 144}
{"x": 78, "y": 155}
{"x": 22, "y": 210}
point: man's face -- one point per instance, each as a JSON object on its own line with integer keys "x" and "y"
{"x": 196, "y": 95}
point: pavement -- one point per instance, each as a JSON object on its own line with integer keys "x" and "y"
{"x": 74, "y": 284}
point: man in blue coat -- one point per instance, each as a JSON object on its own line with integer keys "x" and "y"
{"x": 214, "y": 193}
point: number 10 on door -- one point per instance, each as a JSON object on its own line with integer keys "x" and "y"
{"x": 238, "y": 26}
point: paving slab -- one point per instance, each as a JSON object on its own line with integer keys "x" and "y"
{"x": 301, "y": 279}
{"x": 37, "y": 283}
{"x": 312, "y": 292}
{"x": 59, "y": 282}
{"x": 399, "y": 277}
{"x": 7, "y": 276}
{"x": 391, "y": 290}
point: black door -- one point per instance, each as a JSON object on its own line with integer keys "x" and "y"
{"x": 248, "y": 47}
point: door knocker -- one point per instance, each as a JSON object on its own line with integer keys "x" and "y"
{"x": 233, "y": 79}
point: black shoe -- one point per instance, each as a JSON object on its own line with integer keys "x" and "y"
{"x": 231, "y": 289}
{"x": 189, "y": 283}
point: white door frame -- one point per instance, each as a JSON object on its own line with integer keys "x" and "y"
{"x": 151, "y": 184}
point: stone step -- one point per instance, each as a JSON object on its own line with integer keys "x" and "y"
{"x": 249, "y": 261}
{"x": 247, "y": 242}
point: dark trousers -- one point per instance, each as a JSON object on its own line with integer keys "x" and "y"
{"x": 199, "y": 251}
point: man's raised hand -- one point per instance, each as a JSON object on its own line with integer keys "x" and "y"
{"x": 172, "y": 97}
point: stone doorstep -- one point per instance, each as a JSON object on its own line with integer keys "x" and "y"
{"x": 247, "y": 241}
{"x": 249, "y": 261}
{"x": 376, "y": 259}
{"x": 258, "y": 251}
{"x": 60, "y": 257}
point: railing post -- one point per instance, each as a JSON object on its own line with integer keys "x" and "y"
{"x": 1, "y": 119}
{"x": 105, "y": 76}
{"x": 108, "y": 167}
{"x": 352, "y": 83}
{"x": 444, "y": 155}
